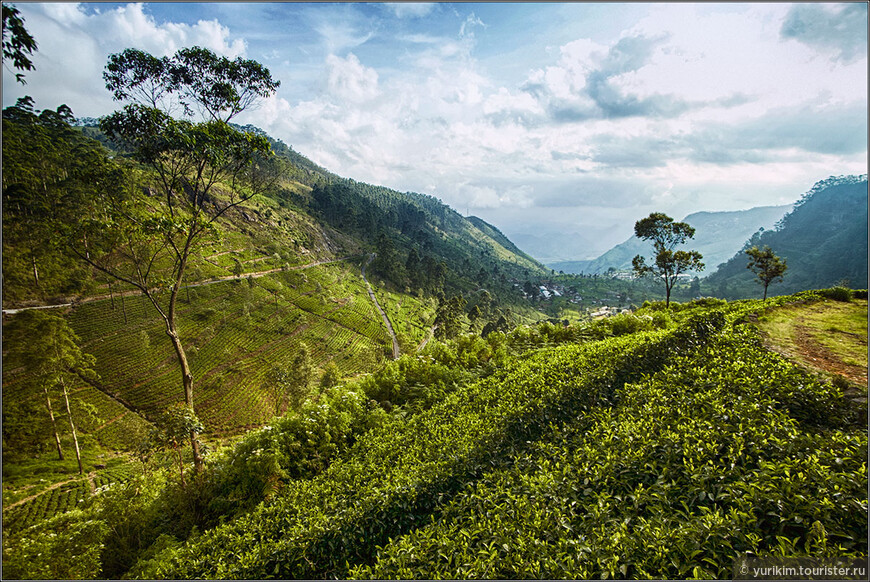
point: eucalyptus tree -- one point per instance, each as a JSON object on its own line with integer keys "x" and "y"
{"x": 196, "y": 166}
{"x": 47, "y": 348}
{"x": 666, "y": 235}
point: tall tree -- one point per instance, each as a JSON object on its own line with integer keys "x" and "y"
{"x": 666, "y": 235}
{"x": 200, "y": 170}
{"x": 48, "y": 349}
{"x": 171, "y": 430}
{"x": 767, "y": 267}
{"x": 17, "y": 42}
{"x": 449, "y": 319}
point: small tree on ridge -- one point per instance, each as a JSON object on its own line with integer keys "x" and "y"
{"x": 666, "y": 235}
{"x": 767, "y": 267}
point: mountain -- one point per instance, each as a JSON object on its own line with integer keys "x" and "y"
{"x": 497, "y": 236}
{"x": 285, "y": 269}
{"x": 718, "y": 235}
{"x": 823, "y": 240}
{"x": 502, "y": 455}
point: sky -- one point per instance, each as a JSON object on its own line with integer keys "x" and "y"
{"x": 561, "y": 121}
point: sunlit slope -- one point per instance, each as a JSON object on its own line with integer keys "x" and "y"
{"x": 566, "y": 463}
{"x": 827, "y": 336}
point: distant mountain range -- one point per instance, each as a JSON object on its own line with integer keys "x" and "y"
{"x": 718, "y": 235}
{"x": 823, "y": 240}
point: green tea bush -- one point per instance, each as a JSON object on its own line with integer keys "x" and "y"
{"x": 400, "y": 477}
{"x": 697, "y": 465}
{"x": 838, "y": 293}
{"x": 416, "y": 382}
{"x": 660, "y": 453}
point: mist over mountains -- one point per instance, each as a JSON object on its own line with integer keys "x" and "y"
{"x": 718, "y": 235}
{"x": 823, "y": 240}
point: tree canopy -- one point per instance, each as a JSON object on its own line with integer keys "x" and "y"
{"x": 666, "y": 235}
{"x": 195, "y": 79}
{"x": 767, "y": 267}
{"x": 17, "y": 42}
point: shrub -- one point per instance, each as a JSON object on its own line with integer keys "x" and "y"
{"x": 837, "y": 293}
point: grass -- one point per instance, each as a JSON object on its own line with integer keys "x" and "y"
{"x": 827, "y": 336}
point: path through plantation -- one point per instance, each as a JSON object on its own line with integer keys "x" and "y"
{"x": 383, "y": 313}
{"x": 197, "y": 284}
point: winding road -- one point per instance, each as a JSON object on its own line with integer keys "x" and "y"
{"x": 389, "y": 325}
{"x": 135, "y": 293}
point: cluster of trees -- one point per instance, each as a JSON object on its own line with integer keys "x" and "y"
{"x": 47, "y": 348}
{"x": 50, "y": 170}
{"x": 666, "y": 235}
{"x": 137, "y": 222}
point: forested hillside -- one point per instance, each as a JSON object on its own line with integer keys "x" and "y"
{"x": 823, "y": 240}
{"x": 281, "y": 272}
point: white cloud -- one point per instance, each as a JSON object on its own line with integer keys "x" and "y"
{"x": 471, "y": 22}
{"x": 74, "y": 47}
{"x": 410, "y": 9}
{"x": 350, "y": 81}
{"x": 338, "y": 36}
{"x": 708, "y": 104}
{"x": 477, "y": 196}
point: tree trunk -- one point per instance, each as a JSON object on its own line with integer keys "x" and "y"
{"x": 112, "y": 295}
{"x": 35, "y": 270}
{"x": 186, "y": 375}
{"x": 53, "y": 422}
{"x": 180, "y": 465}
{"x": 187, "y": 382}
{"x": 72, "y": 427}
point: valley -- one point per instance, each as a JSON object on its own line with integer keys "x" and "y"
{"x": 222, "y": 360}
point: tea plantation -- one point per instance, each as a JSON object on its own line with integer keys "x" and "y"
{"x": 654, "y": 445}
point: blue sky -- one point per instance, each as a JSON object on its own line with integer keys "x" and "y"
{"x": 549, "y": 119}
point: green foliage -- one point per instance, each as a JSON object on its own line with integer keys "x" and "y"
{"x": 47, "y": 349}
{"x": 824, "y": 239}
{"x": 418, "y": 382}
{"x": 194, "y": 79}
{"x": 172, "y": 428}
{"x": 767, "y": 267}
{"x": 700, "y": 466}
{"x": 65, "y": 547}
{"x": 666, "y": 235}
{"x": 330, "y": 377}
{"x": 48, "y": 168}
{"x": 838, "y": 293}
{"x": 566, "y": 463}
{"x": 293, "y": 383}
{"x": 450, "y": 318}
{"x": 17, "y": 42}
